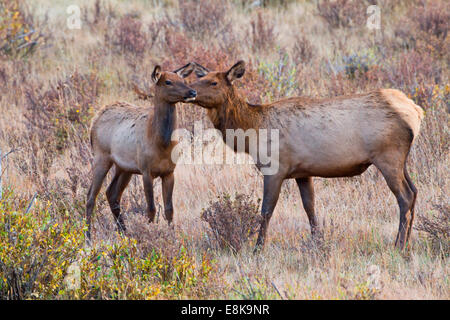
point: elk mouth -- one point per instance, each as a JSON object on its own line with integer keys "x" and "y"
{"x": 188, "y": 99}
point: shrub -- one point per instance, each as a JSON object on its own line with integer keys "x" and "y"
{"x": 354, "y": 64}
{"x": 129, "y": 37}
{"x": 36, "y": 249}
{"x": 18, "y": 35}
{"x": 342, "y": 13}
{"x": 122, "y": 271}
{"x": 412, "y": 69}
{"x": 303, "y": 50}
{"x": 232, "y": 222}
{"x": 433, "y": 17}
{"x": 262, "y": 33}
{"x": 437, "y": 228}
{"x": 58, "y": 110}
{"x": 281, "y": 76}
{"x": 202, "y": 18}
{"x": 425, "y": 29}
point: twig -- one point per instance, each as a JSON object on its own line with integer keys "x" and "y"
{"x": 2, "y": 171}
{"x": 31, "y": 203}
{"x": 276, "y": 289}
{"x": 141, "y": 94}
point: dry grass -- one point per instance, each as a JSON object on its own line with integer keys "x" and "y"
{"x": 48, "y": 98}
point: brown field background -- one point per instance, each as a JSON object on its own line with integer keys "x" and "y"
{"x": 49, "y": 94}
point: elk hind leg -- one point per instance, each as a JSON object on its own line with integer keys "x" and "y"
{"x": 394, "y": 175}
{"x": 100, "y": 169}
{"x": 114, "y": 195}
{"x": 414, "y": 190}
{"x": 306, "y": 188}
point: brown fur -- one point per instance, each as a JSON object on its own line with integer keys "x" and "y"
{"x": 137, "y": 140}
{"x": 337, "y": 137}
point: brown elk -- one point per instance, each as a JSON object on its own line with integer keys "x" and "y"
{"x": 337, "y": 137}
{"x": 137, "y": 140}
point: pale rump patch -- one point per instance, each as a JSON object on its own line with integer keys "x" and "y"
{"x": 411, "y": 113}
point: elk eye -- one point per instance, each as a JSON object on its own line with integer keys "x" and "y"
{"x": 168, "y": 82}
{"x": 214, "y": 83}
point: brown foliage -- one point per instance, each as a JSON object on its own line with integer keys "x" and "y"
{"x": 152, "y": 237}
{"x": 425, "y": 28}
{"x": 232, "y": 222}
{"x": 342, "y": 13}
{"x": 202, "y": 18}
{"x": 303, "y": 50}
{"x": 129, "y": 36}
{"x": 262, "y": 33}
{"x": 437, "y": 227}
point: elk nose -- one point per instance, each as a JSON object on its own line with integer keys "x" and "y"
{"x": 192, "y": 93}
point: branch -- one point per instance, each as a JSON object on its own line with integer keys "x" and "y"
{"x": 6, "y": 154}
{"x": 141, "y": 94}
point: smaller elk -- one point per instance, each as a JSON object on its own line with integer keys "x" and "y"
{"x": 137, "y": 140}
{"x": 337, "y": 137}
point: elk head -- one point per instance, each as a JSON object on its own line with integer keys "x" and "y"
{"x": 214, "y": 88}
{"x": 170, "y": 86}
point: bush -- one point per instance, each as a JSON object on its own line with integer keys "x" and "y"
{"x": 121, "y": 270}
{"x": 68, "y": 103}
{"x": 232, "y": 223}
{"x": 42, "y": 256}
{"x": 437, "y": 228}
{"x": 281, "y": 76}
{"x": 262, "y": 33}
{"x": 433, "y": 18}
{"x": 36, "y": 249}
{"x": 342, "y": 13}
{"x": 202, "y": 18}
{"x": 129, "y": 36}
{"x": 303, "y": 50}
{"x": 18, "y": 35}
{"x": 426, "y": 29}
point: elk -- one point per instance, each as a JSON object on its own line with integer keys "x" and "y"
{"x": 137, "y": 140}
{"x": 337, "y": 137}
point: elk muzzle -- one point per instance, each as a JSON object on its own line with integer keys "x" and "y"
{"x": 191, "y": 95}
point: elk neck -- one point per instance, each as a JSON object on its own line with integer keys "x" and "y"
{"x": 163, "y": 122}
{"x": 235, "y": 113}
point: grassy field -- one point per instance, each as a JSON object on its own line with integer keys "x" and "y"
{"x": 54, "y": 77}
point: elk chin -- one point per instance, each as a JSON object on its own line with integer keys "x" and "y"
{"x": 189, "y": 99}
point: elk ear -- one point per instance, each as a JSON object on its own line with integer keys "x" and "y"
{"x": 185, "y": 70}
{"x": 200, "y": 71}
{"x": 236, "y": 71}
{"x": 156, "y": 74}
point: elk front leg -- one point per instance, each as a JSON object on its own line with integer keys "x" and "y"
{"x": 167, "y": 190}
{"x": 148, "y": 190}
{"x": 272, "y": 187}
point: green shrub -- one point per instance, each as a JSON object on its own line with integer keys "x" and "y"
{"x": 281, "y": 76}
{"x": 18, "y": 35}
{"x": 36, "y": 248}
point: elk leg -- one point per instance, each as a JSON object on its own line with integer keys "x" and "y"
{"x": 399, "y": 186}
{"x": 148, "y": 190}
{"x": 167, "y": 190}
{"x": 100, "y": 169}
{"x": 272, "y": 187}
{"x": 414, "y": 190}
{"x": 306, "y": 187}
{"x": 114, "y": 195}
